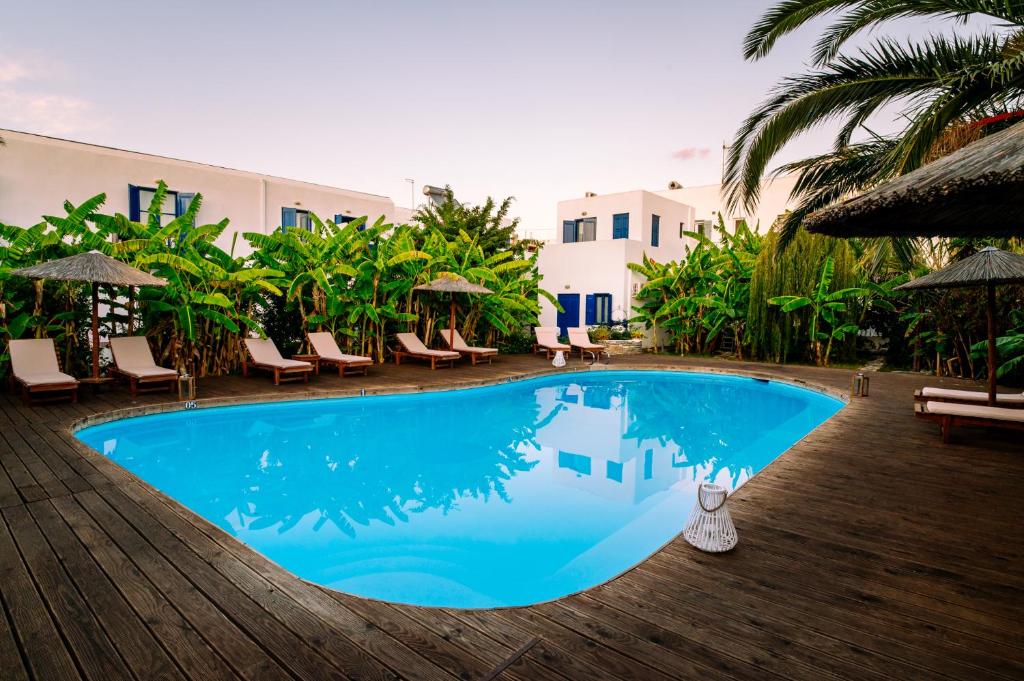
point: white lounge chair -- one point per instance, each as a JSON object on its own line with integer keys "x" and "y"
{"x": 327, "y": 349}
{"x": 412, "y": 346}
{"x": 34, "y": 366}
{"x": 968, "y": 397}
{"x": 263, "y": 354}
{"x": 949, "y": 414}
{"x": 547, "y": 340}
{"x": 133, "y": 360}
{"x": 474, "y": 353}
{"x": 580, "y": 339}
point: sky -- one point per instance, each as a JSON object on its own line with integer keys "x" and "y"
{"x": 542, "y": 101}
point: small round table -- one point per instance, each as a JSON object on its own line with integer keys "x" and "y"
{"x": 97, "y": 382}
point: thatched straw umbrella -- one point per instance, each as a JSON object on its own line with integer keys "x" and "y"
{"x": 98, "y": 269}
{"x": 453, "y": 283}
{"x": 989, "y": 267}
{"x": 974, "y": 191}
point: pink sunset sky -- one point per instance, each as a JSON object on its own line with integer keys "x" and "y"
{"x": 539, "y": 100}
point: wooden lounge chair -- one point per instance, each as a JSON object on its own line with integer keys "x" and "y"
{"x": 949, "y": 414}
{"x": 580, "y": 339}
{"x": 133, "y": 360}
{"x": 330, "y": 354}
{"x": 1009, "y": 400}
{"x": 34, "y": 366}
{"x": 547, "y": 341}
{"x": 412, "y": 346}
{"x": 474, "y": 353}
{"x": 263, "y": 354}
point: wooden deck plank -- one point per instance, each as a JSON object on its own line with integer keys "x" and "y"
{"x": 191, "y": 653}
{"x": 821, "y": 613}
{"x": 850, "y": 563}
{"x": 12, "y": 664}
{"x": 93, "y": 651}
{"x": 38, "y": 638}
{"x": 300, "y": 657}
{"x": 245, "y": 656}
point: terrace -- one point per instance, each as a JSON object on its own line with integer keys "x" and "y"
{"x": 869, "y": 550}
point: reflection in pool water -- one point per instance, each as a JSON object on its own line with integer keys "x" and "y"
{"x": 505, "y": 495}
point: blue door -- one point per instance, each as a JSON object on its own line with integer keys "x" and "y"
{"x": 570, "y": 302}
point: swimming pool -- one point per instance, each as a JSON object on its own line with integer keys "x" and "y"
{"x": 504, "y": 495}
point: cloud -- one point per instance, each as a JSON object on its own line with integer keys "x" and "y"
{"x": 11, "y": 71}
{"x": 44, "y": 112}
{"x": 690, "y": 153}
{"x": 27, "y": 104}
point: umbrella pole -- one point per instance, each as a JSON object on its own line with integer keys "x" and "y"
{"x": 451, "y": 326}
{"x": 131, "y": 310}
{"x": 991, "y": 309}
{"x": 95, "y": 330}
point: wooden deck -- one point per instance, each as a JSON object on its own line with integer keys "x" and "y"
{"x": 868, "y": 551}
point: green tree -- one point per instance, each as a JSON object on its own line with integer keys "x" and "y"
{"x": 949, "y": 89}
{"x": 489, "y": 224}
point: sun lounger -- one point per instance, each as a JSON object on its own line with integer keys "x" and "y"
{"x": 547, "y": 340}
{"x": 34, "y": 366}
{"x": 133, "y": 360}
{"x": 949, "y": 414}
{"x": 1011, "y": 400}
{"x": 412, "y": 346}
{"x": 475, "y": 354}
{"x": 580, "y": 339}
{"x": 330, "y": 354}
{"x": 263, "y": 354}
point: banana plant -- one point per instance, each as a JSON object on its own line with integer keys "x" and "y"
{"x": 828, "y": 312}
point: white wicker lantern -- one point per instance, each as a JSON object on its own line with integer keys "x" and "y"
{"x": 559, "y": 360}
{"x": 710, "y": 526}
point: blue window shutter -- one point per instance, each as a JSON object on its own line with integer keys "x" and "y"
{"x": 134, "y": 209}
{"x": 655, "y": 229}
{"x": 568, "y": 231}
{"x": 287, "y": 217}
{"x": 338, "y": 218}
{"x": 591, "y": 314}
{"x": 620, "y": 226}
{"x": 182, "y": 202}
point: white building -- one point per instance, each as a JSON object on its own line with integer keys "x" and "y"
{"x": 585, "y": 265}
{"x": 37, "y": 174}
{"x": 707, "y": 203}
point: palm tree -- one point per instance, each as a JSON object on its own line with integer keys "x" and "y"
{"x": 950, "y": 89}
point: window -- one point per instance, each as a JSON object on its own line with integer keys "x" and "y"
{"x": 648, "y": 464}
{"x": 737, "y": 223}
{"x": 702, "y": 227}
{"x": 620, "y": 226}
{"x": 174, "y": 206}
{"x": 340, "y": 219}
{"x": 584, "y": 229}
{"x": 293, "y": 217}
{"x": 614, "y": 471}
{"x": 574, "y": 462}
{"x": 655, "y": 229}
{"x": 599, "y": 308}
{"x": 682, "y": 230}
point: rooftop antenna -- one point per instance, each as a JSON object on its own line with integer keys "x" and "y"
{"x": 725, "y": 147}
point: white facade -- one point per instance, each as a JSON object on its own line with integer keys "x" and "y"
{"x": 37, "y": 174}
{"x": 578, "y": 271}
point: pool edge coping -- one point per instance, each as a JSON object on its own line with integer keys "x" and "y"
{"x": 168, "y": 407}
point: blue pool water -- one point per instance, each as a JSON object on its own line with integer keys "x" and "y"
{"x": 504, "y": 495}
